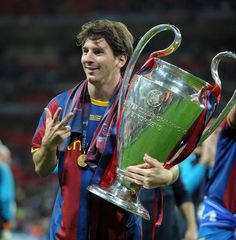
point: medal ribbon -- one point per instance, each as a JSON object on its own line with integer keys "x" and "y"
{"x": 78, "y": 103}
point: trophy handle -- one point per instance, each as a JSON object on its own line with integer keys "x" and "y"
{"x": 137, "y": 51}
{"x": 214, "y": 72}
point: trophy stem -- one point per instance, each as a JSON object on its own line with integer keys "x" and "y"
{"x": 121, "y": 196}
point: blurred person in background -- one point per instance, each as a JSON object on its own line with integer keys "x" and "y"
{"x": 218, "y": 220}
{"x": 175, "y": 199}
{"x": 195, "y": 171}
{"x": 7, "y": 194}
{"x": 77, "y": 133}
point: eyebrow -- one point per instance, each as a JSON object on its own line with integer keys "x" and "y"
{"x": 94, "y": 48}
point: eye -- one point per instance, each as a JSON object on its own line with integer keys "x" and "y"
{"x": 84, "y": 51}
{"x": 98, "y": 51}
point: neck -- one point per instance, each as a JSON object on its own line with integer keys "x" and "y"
{"x": 101, "y": 91}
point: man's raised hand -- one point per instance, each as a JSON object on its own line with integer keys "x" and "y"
{"x": 55, "y": 131}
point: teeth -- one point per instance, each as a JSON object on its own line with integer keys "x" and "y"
{"x": 89, "y": 68}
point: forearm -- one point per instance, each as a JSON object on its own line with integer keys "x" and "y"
{"x": 174, "y": 174}
{"x": 189, "y": 214}
{"x": 56, "y": 131}
{"x": 44, "y": 160}
{"x": 187, "y": 209}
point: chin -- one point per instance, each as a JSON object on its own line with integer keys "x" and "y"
{"x": 92, "y": 80}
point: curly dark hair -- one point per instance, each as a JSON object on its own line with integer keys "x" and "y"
{"x": 115, "y": 33}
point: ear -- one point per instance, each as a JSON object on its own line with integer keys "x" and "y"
{"x": 122, "y": 59}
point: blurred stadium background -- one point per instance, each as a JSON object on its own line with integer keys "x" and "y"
{"x": 39, "y": 59}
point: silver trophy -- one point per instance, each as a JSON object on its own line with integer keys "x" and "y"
{"x": 162, "y": 109}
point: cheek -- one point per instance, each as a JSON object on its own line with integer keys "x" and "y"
{"x": 108, "y": 68}
{"x": 82, "y": 63}
{"x": 82, "y": 60}
{"x": 112, "y": 63}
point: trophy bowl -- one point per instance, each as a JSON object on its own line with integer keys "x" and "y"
{"x": 163, "y": 111}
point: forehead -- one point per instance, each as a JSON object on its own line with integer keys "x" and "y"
{"x": 98, "y": 43}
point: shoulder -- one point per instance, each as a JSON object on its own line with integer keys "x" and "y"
{"x": 60, "y": 100}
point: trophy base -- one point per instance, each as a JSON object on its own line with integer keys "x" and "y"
{"x": 122, "y": 197}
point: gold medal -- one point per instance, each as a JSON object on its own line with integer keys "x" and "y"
{"x": 81, "y": 160}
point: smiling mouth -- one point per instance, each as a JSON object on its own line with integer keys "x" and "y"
{"x": 91, "y": 68}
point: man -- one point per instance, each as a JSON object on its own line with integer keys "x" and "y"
{"x": 7, "y": 193}
{"x": 196, "y": 169}
{"x": 218, "y": 220}
{"x": 77, "y": 133}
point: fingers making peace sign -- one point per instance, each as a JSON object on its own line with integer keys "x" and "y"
{"x": 56, "y": 131}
